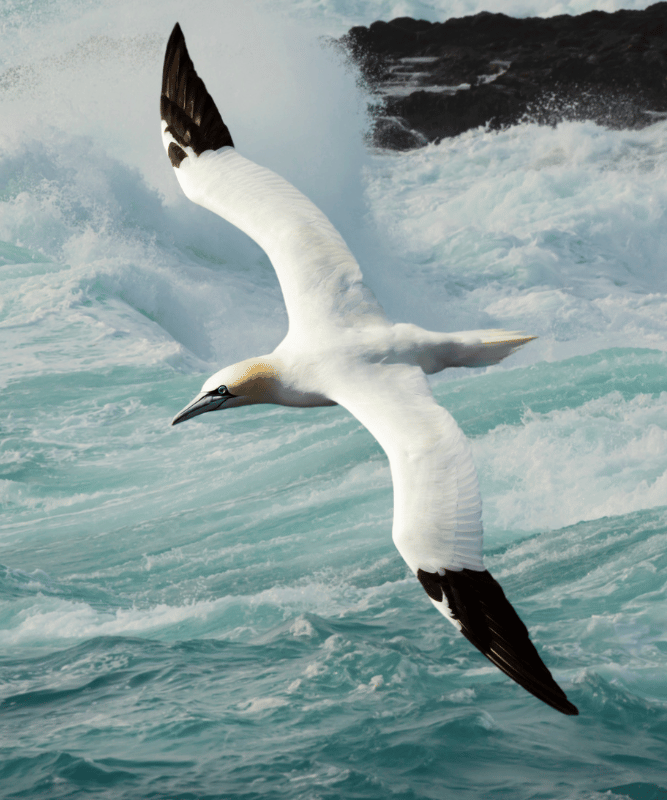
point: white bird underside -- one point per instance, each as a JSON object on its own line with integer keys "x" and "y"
{"x": 342, "y": 349}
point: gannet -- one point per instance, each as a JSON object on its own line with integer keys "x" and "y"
{"x": 341, "y": 349}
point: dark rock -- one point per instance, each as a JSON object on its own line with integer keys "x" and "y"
{"x": 433, "y": 80}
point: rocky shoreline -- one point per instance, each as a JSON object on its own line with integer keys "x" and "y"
{"x": 433, "y": 80}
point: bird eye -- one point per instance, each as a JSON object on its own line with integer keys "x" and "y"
{"x": 223, "y": 390}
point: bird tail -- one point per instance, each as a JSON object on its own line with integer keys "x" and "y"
{"x": 472, "y": 348}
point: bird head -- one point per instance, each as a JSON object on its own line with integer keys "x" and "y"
{"x": 246, "y": 383}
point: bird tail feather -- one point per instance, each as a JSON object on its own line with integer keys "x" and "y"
{"x": 474, "y": 348}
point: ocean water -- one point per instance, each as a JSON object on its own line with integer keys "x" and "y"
{"x": 217, "y": 610}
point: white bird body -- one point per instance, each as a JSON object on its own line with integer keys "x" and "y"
{"x": 341, "y": 349}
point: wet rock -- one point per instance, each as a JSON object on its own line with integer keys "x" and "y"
{"x": 432, "y": 80}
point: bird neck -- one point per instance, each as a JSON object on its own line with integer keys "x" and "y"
{"x": 274, "y": 379}
{"x": 259, "y": 379}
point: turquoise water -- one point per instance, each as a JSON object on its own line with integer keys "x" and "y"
{"x": 216, "y": 610}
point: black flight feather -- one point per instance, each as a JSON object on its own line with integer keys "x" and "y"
{"x": 188, "y": 109}
{"x": 488, "y": 621}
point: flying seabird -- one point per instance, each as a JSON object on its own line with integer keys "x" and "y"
{"x": 341, "y": 349}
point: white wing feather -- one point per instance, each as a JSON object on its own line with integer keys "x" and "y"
{"x": 437, "y": 504}
{"x": 320, "y": 279}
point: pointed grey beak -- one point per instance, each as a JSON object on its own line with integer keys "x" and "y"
{"x": 200, "y": 405}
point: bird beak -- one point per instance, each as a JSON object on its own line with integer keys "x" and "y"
{"x": 200, "y": 405}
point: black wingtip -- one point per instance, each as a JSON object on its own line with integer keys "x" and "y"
{"x": 185, "y": 105}
{"x": 489, "y": 622}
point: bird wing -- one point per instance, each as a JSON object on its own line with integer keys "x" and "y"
{"x": 438, "y": 516}
{"x": 320, "y": 279}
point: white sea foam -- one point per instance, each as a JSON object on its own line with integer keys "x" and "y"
{"x": 560, "y": 231}
{"x": 603, "y": 458}
{"x": 258, "y": 704}
{"x": 47, "y": 619}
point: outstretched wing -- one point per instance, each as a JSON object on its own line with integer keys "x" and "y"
{"x": 438, "y": 517}
{"x": 320, "y": 278}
